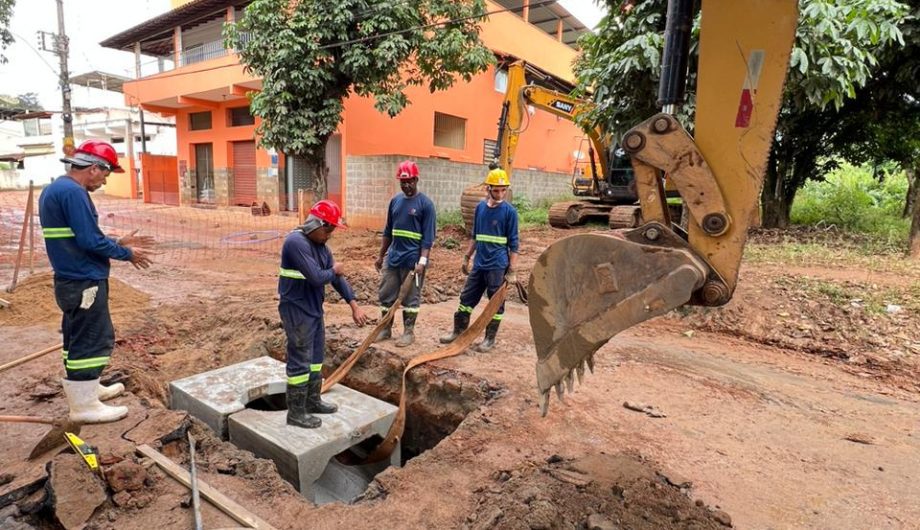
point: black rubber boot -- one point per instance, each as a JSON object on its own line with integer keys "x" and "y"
{"x": 491, "y": 331}
{"x": 386, "y": 332}
{"x": 315, "y": 403}
{"x": 408, "y": 336}
{"x": 297, "y": 408}
{"x": 461, "y": 322}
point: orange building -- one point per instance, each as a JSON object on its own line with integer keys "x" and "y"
{"x": 450, "y": 134}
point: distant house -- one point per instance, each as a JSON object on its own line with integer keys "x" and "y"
{"x": 31, "y": 142}
{"x": 450, "y": 134}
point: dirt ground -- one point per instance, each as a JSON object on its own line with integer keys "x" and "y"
{"x": 794, "y": 406}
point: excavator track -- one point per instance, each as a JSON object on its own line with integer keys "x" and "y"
{"x": 625, "y": 217}
{"x": 575, "y": 213}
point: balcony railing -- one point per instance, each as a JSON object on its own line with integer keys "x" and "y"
{"x": 206, "y": 51}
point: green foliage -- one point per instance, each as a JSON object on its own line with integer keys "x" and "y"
{"x": 531, "y": 214}
{"x": 27, "y": 101}
{"x": 6, "y": 15}
{"x": 835, "y": 48}
{"x": 311, "y": 54}
{"x": 450, "y": 218}
{"x": 834, "y": 53}
{"x": 850, "y": 198}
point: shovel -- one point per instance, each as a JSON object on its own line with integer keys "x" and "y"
{"x": 52, "y": 438}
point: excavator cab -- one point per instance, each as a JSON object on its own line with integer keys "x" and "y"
{"x": 586, "y": 288}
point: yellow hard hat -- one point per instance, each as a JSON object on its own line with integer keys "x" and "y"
{"x": 498, "y": 177}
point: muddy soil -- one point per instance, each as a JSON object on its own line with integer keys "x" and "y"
{"x": 769, "y": 406}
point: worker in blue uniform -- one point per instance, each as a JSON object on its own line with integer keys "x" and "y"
{"x": 407, "y": 240}
{"x": 307, "y": 266}
{"x": 495, "y": 242}
{"x": 79, "y": 254}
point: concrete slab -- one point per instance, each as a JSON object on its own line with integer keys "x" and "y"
{"x": 215, "y": 395}
{"x": 304, "y": 457}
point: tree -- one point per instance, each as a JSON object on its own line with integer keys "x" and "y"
{"x": 832, "y": 56}
{"x": 882, "y": 123}
{"x": 6, "y": 15}
{"x": 311, "y": 54}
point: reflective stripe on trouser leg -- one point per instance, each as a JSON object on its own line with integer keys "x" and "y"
{"x": 305, "y": 344}
{"x": 473, "y": 290}
{"x": 89, "y": 335}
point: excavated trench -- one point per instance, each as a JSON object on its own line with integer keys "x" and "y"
{"x": 437, "y": 399}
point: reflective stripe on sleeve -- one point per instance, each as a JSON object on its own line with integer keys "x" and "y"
{"x": 57, "y": 233}
{"x": 291, "y": 273}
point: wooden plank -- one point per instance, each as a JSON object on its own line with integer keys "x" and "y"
{"x": 4, "y": 303}
{"x": 225, "y": 504}
{"x": 22, "y": 242}
{"x": 31, "y": 356}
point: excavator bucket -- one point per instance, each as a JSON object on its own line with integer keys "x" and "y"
{"x": 584, "y": 289}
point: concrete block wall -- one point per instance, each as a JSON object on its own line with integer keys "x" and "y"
{"x": 371, "y": 183}
{"x": 268, "y": 187}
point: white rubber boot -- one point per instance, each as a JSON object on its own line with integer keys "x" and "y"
{"x": 85, "y": 407}
{"x": 108, "y": 392}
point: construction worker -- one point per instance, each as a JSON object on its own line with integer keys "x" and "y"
{"x": 306, "y": 267}
{"x": 79, "y": 254}
{"x": 407, "y": 240}
{"x": 495, "y": 242}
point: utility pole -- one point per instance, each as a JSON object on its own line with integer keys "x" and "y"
{"x": 62, "y": 48}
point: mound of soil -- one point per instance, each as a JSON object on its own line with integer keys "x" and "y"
{"x": 595, "y": 492}
{"x": 33, "y": 301}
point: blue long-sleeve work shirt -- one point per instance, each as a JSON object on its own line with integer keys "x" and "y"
{"x": 77, "y": 248}
{"x": 306, "y": 268}
{"x": 496, "y": 233}
{"x": 410, "y": 227}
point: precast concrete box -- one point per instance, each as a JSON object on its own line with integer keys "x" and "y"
{"x": 304, "y": 457}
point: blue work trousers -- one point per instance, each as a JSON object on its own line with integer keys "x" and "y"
{"x": 478, "y": 282}
{"x": 306, "y": 343}
{"x": 86, "y": 325}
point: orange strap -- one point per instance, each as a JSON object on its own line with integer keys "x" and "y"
{"x": 349, "y": 363}
{"x": 386, "y": 447}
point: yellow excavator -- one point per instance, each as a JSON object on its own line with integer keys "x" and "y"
{"x": 586, "y": 288}
{"x": 608, "y": 187}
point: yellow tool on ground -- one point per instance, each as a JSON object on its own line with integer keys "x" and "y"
{"x": 86, "y": 452}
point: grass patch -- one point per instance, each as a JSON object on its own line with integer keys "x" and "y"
{"x": 865, "y": 295}
{"x": 449, "y": 218}
{"x": 812, "y": 254}
{"x": 853, "y": 199}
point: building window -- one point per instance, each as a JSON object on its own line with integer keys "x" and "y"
{"x": 449, "y": 131}
{"x": 239, "y": 116}
{"x": 199, "y": 121}
{"x": 501, "y": 81}
{"x": 37, "y": 127}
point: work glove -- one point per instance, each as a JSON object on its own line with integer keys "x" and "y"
{"x": 419, "y": 269}
{"x": 510, "y": 277}
{"x": 465, "y": 268}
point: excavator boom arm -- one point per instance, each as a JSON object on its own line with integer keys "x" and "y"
{"x": 586, "y": 288}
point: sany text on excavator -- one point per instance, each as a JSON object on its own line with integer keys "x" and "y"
{"x": 608, "y": 188}
{"x": 586, "y": 288}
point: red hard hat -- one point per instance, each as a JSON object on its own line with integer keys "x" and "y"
{"x": 328, "y": 211}
{"x": 407, "y": 170}
{"x": 95, "y": 152}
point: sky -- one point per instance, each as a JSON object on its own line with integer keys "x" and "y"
{"x": 87, "y": 22}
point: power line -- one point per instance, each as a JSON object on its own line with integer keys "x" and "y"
{"x": 40, "y": 56}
